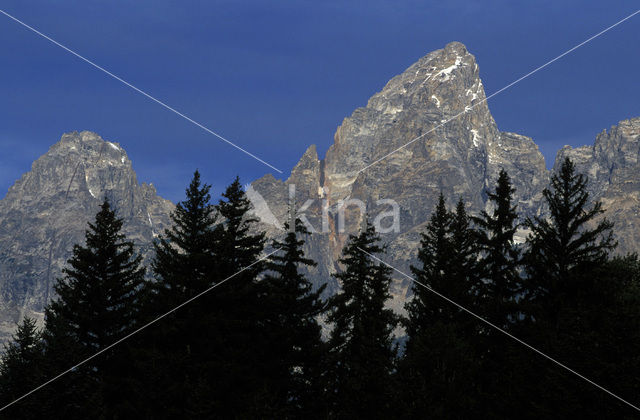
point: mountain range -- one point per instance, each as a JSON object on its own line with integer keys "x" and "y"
{"x": 438, "y": 106}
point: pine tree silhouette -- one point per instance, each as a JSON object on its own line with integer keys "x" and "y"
{"x": 295, "y": 347}
{"x": 172, "y": 352}
{"x": 97, "y": 302}
{"x": 436, "y": 372}
{"x": 22, "y": 370}
{"x": 573, "y": 295}
{"x": 360, "y": 351}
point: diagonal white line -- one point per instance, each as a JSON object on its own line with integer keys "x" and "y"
{"x": 139, "y": 90}
{"x": 501, "y": 330}
{"x": 501, "y": 90}
{"x": 139, "y": 329}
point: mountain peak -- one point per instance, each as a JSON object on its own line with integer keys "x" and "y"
{"x": 307, "y": 174}
{"x": 88, "y": 144}
{"x": 81, "y": 163}
{"x": 439, "y": 100}
{"x": 457, "y": 47}
{"x": 431, "y": 78}
{"x": 614, "y": 157}
{"x": 46, "y": 212}
{"x": 427, "y": 131}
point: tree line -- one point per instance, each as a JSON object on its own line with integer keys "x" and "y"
{"x": 241, "y": 332}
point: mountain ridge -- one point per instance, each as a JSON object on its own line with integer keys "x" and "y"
{"x": 45, "y": 212}
{"x": 461, "y": 157}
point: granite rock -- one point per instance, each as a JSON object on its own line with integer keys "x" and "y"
{"x": 46, "y": 212}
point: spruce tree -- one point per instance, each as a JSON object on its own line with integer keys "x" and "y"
{"x": 74, "y": 394}
{"x": 295, "y": 345}
{"x": 464, "y": 261}
{"x": 172, "y": 352}
{"x": 499, "y": 263}
{"x": 183, "y": 260}
{"x": 21, "y": 371}
{"x": 618, "y": 347}
{"x": 360, "y": 350}
{"x": 573, "y": 295}
{"x": 564, "y": 248}
{"x": 203, "y": 357}
{"x": 436, "y": 373}
{"x": 238, "y": 371}
{"x": 97, "y": 303}
{"x": 495, "y": 296}
{"x": 435, "y": 255}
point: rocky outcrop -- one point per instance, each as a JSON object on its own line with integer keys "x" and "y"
{"x": 612, "y": 165}
{"x": 429, "y": 130}
{"x": 305, "y": 185}
{"x": 437, "y": 106}
{"x": 46, "y": 212}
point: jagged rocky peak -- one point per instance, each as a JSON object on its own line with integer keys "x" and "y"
{"x": 90, "y": 143}
{"x": 80, "y": 163}
{"x": 432, "y": 129}
{"x": 438, "y": 104}
{"x": 46, "y": 212}
{"x": 613, "y": 157}
{"x": 523, "y": 161}
{"x": 612, "y": 165}
{"x": 438, "y": 87}
{"x": 307, "y": 174}
{"x": 431, "y": 74}
{"x": 305, "y": 179}
{"x": 90, "y": 148}
{"x": 620, "y": 146}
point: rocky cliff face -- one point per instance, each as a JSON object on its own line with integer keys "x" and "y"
{"x": 461, "y": 158}
{"x": 46, "y": 212}
{"x": 613, "y": 167}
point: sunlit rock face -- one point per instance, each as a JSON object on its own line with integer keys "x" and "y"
{"x": 437, "y": 106}
{"x": 612, "y": 165}
{"x": 429, "y": 130}
{"x": 46, "y": 212}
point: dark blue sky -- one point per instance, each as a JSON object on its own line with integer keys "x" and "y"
{"x": 277, "y": 76}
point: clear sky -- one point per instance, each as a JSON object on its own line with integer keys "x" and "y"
{"x": 276, "y": 76}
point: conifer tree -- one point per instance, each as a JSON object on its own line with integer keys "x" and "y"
{"x": 74, "y": 394}
{"x": 172, "y": 351}
{"x": 464, "y": 262}
{"x": 435, "y": 253}
{"x": 573, "y": 294}
{"x": 618, "y": 344}
{"x": 564, "y": 248}
{"x": 500, "y": 257}
{"x": 205, "y": 354}
{"x": 22, "y": 370}
{"x": 183, "y": 263}
{"x": 97, "y": 303}
{"x": 360, "y": 351}
{"x": 495, "y": 295}
{"x": 239, "y": 370}
{"x": 436, "y": 371}
{"x": 295, "y": 345}
{"x": 238, "y": 245}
